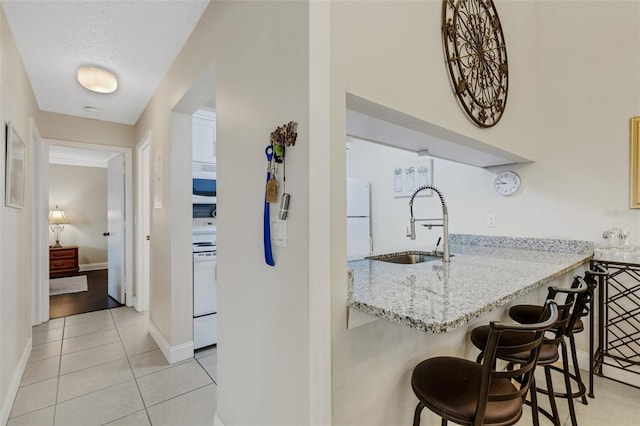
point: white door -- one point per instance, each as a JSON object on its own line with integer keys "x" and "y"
{"x": 115, "y": 224}
{"x": 146, "y": 228}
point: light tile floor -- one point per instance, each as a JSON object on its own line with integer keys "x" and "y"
{"x": 103, "y": 368}
{"x": 615, "y": 404}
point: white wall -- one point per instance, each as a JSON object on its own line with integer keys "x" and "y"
{"x": 261, "y": 55}
{"x": 17, "y": 104}
{"x": 567, "y": 108}
{"x": 390, "y": 215}
{"x": 82, "y": 193}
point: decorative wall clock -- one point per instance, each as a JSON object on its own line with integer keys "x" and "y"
{"x": 506, "y": 183}
{"x": 476, "y": 56}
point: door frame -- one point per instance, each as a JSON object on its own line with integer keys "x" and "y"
{"x": 142, "y": 278}
{"x": 43, "y": 191}
{"x": 40, "y": 226}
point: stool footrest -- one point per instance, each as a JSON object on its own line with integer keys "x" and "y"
{"x": 582, "y": 389}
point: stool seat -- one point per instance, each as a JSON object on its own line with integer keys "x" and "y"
{"x": 548, "y": 351}
{"x": 529, "y": 314}
{"x": 451, "y": 385}
{"x": 472, "y": 393}
{"x": 574, "y": 306}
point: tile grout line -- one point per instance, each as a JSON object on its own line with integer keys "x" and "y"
{"x": 61, "y": 342}
{"x": 205, "y": 370}
{"x": 88, "y": 322}
{"x": 92, "y": 392}
{"x": 184, "y": 361}
{"x": 135, "y": 379}
{"x": 93, "y": 332}
{"x": 178, "y": 396}
{"x": 40, "y": 381}
{"x": 90, "y": 347}
{"x": 128, "y": 322}
{"x": 97, "y": 365}
{"x": 55, "y": 405}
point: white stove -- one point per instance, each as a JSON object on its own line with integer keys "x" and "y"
{"x": 205, "y": 306}
{"x": 204, "y": 235}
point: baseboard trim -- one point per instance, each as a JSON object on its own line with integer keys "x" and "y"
{"x": 609, "y": 372}
{"x": 12, "y": 392}
{"x": 583, "y": 360}
{"x": 172, "y": 354}
{"x": 134, "y": 303}
{"x": 94, "y": 266}
{"x": 217, "y": 421}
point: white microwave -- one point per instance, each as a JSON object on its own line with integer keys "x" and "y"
{"x": 203, "y": 183}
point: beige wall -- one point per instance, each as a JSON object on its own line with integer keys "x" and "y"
{"x": 390, "y": 52}
{"x": 567, "y": 108}
{"x": 260, "y": 53}
{"x": 82, "y": 193}
{"x": 79, "y": 129}
{"x": 17, "y": 104}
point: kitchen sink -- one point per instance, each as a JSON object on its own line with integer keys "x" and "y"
{"x": 407, "y": 258}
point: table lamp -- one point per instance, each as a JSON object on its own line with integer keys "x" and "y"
{"x": 57, "y": 219}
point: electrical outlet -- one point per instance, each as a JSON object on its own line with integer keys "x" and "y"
{"x": 491, "y": 220}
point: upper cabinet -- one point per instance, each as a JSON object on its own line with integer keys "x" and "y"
{"x": 204, "y": 136}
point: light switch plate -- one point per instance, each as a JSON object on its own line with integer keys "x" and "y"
{"x": 279, "y": 232}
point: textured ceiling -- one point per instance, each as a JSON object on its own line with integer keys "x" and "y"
{"x": 137, "y": 40}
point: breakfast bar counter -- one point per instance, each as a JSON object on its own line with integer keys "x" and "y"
{"x": 485, "y": 273}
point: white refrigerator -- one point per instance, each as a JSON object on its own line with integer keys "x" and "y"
{"x": 358, "y": 218}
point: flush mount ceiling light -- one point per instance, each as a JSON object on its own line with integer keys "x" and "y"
{"x": 97, "y": 79}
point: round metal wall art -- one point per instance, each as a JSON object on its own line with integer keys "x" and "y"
{"x": 476, "y": 55}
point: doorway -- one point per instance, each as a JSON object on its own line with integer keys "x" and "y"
{"x": 143, "y": 223}
{"x": 90, "y": 157}
{"x": 194, "y": 115}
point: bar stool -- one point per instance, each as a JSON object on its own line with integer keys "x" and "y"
{"x": 527, "y": 314}
{"x": 569, "y": 312}
{"x": 471, "y": 393}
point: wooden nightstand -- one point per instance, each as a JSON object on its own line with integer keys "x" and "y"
{"x": 63, "y": 261}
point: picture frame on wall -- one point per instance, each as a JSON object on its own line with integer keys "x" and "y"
{"x": 15, "y": 168}
{"x": 634, "y": 178}
{"x": 408, "y": 177}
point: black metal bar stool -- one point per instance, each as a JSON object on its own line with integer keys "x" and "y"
{"x": 526, "y": 314}
{"x": 471, "y": 393}
{"x": 550, "y": 350}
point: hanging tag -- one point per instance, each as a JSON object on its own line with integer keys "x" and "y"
{"x": 272, "y": 190}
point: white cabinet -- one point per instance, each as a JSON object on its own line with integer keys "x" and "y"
{"x": 204, "y": 136}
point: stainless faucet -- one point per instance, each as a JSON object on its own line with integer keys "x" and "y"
{"x": 444, "y": 222}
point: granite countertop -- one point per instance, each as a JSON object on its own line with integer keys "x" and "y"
{"x": 484, "y": 274}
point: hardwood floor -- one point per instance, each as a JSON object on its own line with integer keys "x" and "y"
{"x": 95, "y": 299}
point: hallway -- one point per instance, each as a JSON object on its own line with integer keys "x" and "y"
{"x": 103, "y": 367}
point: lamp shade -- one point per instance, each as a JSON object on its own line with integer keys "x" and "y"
{"x": 57, "y": 217}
